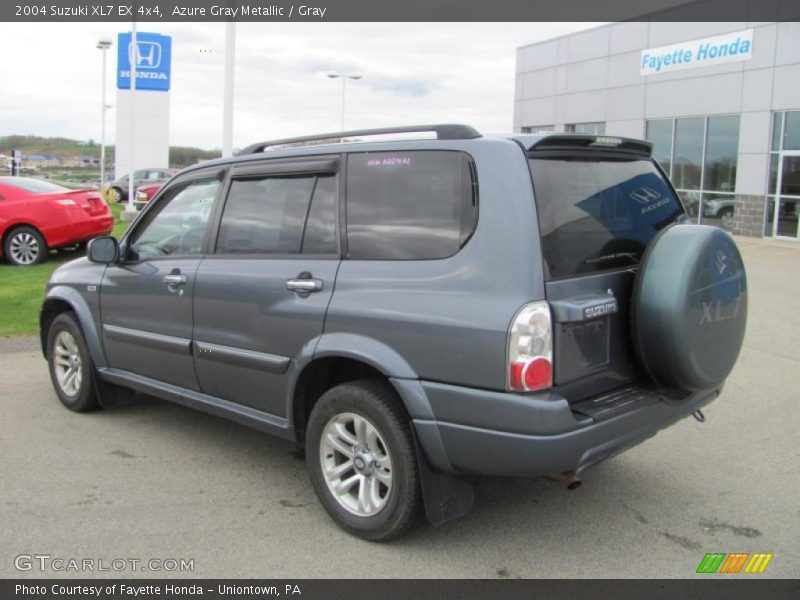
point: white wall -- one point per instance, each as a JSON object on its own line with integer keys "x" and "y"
{"x": 150, "y": 134}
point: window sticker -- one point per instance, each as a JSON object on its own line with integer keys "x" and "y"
{"x": 390, "y": 161}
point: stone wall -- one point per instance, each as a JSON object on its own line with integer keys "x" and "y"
{"x": 748, "y": 216}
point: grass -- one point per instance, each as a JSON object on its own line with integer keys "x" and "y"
{"x": 22, "y": 288}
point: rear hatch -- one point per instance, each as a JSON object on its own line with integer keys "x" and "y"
{"x": 600, "y": 201}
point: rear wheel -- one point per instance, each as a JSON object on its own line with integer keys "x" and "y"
{"x": 362, "y": 462}
{"x": 25, "y": 246}
{"x": 71, "y": 368}
{"x": 117, "y": 195}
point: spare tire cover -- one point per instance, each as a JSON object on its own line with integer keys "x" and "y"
{"x": 689, "y": 307}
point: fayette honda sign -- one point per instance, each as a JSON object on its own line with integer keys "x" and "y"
{"x": 153, "y": 54}
{"x": 731, "y": 47}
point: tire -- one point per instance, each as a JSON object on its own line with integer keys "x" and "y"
{"x": 117, "y": 195}
{"x": 368, "y": 508}
{"x": 726, "y": 217}
{"x": 25, "y": 246}
{"x": 67, "y": 353}
{"x": 689, "y": 307}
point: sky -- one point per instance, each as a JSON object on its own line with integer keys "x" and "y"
{"x": 412, "y": 73}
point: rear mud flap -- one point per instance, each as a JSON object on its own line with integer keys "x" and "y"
{"x": 446, "y": 497}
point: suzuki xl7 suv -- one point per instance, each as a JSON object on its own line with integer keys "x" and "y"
{"x": 411, "y": 311}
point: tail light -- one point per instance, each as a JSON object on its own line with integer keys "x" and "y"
{"x": 530, "y": 349}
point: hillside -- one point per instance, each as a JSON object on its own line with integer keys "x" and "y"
{"x": 179, "y": 156}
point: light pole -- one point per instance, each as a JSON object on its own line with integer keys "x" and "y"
{"x": 130, "y": 211}
{"x": 227, "y": 101}
{"x": 103, "y": 44}
{"x": 344, "y": 77}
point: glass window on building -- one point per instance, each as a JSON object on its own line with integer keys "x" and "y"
{"x": 597, "y": 128}
{"x": 783, "y": 214}
{"x": 700, "y": 155}
{"x": 687, "y": 161}
{"x": 722, "y": 149}
{"x": 539, "y": 129}
{"x": 659, "y": 132}
{"x": 791, "y": 131}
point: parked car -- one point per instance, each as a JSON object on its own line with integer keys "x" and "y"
{"x": 412, "y": 311}
{"x": 118, "y": 189}
{"x": 37, "y": 216}
{"x": 145, "y": 193}
{"x": 719, "y": 207}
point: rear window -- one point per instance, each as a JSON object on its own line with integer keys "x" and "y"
{"x": 409, "y": 205}
{"x": 598, "y": 213}
{"x": 37, "y": 186}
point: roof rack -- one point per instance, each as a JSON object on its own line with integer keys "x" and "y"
{"x": 443, "y": 132}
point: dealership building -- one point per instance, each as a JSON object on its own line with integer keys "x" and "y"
{"x": 719, "y": 101}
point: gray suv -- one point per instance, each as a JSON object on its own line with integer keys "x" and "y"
{"x": 411, "y": 311}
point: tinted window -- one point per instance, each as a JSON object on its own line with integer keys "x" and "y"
{"x": 660, "y": 133}
{"x": 37, "y": 186}
{"x": 791, "y": 133}
{"x": 597, "y": 214}
{"x": 777, "y": 126}
{"x": 265, "y": 216}
{"x": 688, "y": 160}
{"x": 179, "y": 226}
{"x": 409, "y": 205}
{"x": 722, "y": 149}
{"x": 320, "y": 234}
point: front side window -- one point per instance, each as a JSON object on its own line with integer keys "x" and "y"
{"x": 414, "y": 205}
{"x": 179, "y": 226}
{"x": 279, "y": 215}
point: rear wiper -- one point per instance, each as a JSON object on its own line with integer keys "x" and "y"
{"x": 630, "y": 255}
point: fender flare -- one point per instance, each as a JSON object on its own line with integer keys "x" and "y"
{"x": 369, "y": 351}
{"x": 84, "y": 314}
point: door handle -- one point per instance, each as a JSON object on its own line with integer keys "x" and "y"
{"x": 175, "y": 279}
{"x": 304, "y": 285}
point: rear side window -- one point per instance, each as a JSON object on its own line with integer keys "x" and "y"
{"x": 600, "y": 213}
{"x": 409, "y": 205}
{"x": 276, "y": 215}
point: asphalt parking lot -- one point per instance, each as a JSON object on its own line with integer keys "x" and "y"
{"x": 155, "y": 480}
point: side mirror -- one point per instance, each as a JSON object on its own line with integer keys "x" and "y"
{"x": 103, "y": 250}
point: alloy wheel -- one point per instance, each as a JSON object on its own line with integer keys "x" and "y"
{"x": 356, "y": 464}
{"x": 24, "y": 248}
{"x": 67, "y": 363}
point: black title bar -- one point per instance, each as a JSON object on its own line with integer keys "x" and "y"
{"x": 707, "y": 588}
{"x": 396, "y": 10}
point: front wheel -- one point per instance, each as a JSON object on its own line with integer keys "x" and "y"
{"x": 71, "y": 369}
{"x": 362, "y": 460}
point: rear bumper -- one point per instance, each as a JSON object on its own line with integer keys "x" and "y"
{"x": 79, "y": 229}
{"x": 534, "y": 435}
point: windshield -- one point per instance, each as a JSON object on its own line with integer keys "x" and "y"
{"x": 37, "y": 186}
{"x": 598, "y": 213}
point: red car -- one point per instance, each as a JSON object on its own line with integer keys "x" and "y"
{"x": 36, "y": 216}
{"x": 145, "y": 193}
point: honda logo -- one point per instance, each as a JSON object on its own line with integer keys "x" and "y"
{"x": 148, "y": 55}
{"x": 645, "y": 195}
{"x": 151, "y": 57}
